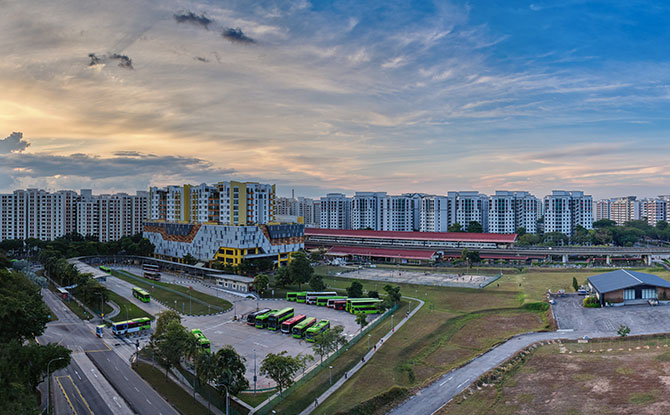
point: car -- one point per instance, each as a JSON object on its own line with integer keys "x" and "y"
{"x": 652, "y": 301}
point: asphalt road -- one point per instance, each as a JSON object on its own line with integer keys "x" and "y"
{"x": 140, "y": 396}
{"x": 94, "y": 389}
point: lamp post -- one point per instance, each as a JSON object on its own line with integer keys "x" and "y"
{"x": 368, "y": 342}
{"x": 226, "y": 397}
{"x": 254, "y": 372}
{"x": 49, "y": 380}
{"x": 331, "y": 374}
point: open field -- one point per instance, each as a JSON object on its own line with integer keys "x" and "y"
{"x": 181, "y": 296}
{"x": 128, "y": 309}
{"x": 170, "y": 391}
{"x": 613, "y": 377}
{"x": 468, "y": 279}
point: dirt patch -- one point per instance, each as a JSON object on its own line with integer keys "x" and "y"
{"x": 578, "y": 383}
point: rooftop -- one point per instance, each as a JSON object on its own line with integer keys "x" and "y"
{"x": 381, "y": 252}
{"x": 621, "y": 279}
{"x": 422, "y": 236}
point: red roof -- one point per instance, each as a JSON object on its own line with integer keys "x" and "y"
{"x": 422, "y": 236}
{"x": 382, "y": 252}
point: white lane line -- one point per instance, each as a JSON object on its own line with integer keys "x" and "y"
{"x": 125, "y": 378}
{"x": 77, "y": 373}
{"x": 136, "y": 388}
{"x": 459, "y": 386}
{"x": 93, "y": 371}
{"x": 116, "y": 401}
{"x": 149, "y": 402}
{"x": 442, "y": 384}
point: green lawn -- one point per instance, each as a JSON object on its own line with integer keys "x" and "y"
{"x": 128, "y": 309}
{"x": 217, "y": 398}
{"x": 52, "y": 315}
{"x": 180, "y": 298}
{"x": 171, "y": 392}
{"x": 72, "y": 305}
{"x": 254, "y": 400}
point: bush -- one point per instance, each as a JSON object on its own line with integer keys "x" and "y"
{"x": 538, "y": 306}
{"x": 591, "y": 302}
{"x": 372, "y": 405}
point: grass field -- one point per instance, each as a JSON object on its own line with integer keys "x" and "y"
{"x": 256, "y": 400}
{"x": 610, "y": 377}
{"x": 216, "y": 398}
{"x": 170, "y": 391}
{"x": 181, "y": 296}
{"x": 128, "y": 309}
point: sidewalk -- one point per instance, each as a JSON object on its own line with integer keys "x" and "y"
{"x": 359, "y": 365}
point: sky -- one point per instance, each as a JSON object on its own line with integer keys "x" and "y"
{"x": 337, "y": 96}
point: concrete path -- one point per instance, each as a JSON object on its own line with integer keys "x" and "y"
{"x": 115, "y": 309}
{"x": 368, "y": 356}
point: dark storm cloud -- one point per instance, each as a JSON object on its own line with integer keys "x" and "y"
{"x": 236, "y": 35}
{"x": 123, "y": 60}
{"x": 124, "y": 164}
{"x": 190, "y": 17}
{"x": 13, "y": 143}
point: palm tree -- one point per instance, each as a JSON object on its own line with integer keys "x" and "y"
{"x": 191, "y": 352}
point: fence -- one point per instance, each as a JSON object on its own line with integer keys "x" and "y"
{"x": 267, "y": 408}
{"x": 491, "y": 281}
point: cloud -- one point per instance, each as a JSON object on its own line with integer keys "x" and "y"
{"x": 192, "y": 18}
{"x": 123, "y": 60}
{"x": 236, "y": 35}
{"x": 13, "y": 144}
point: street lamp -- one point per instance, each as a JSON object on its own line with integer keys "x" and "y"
{"x": 49, "y": 380}
{"x": 368, "y": 342}
{"x": 331, "y": 374}
{"x": 220, "y": 384}
{"x": 254, "y": 372}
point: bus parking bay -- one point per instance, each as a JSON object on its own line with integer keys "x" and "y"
{"x": 222, "y": 330}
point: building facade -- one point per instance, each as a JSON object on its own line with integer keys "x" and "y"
{"x": 335, "y": 211}
{"x": 624, "y": 209}
{"x": 509, "y": 211}
{"x": 564, "y": 210}
{"x": 601, "y": 209}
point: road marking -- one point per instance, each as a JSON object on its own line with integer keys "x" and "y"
{"x": 116, "y": 401}
{"x": 80, "y": 395}
{"x": 93, "y": 371}
{"x": 65, "y": 394}
{"x": 125, "y": 378}
{"x": 149, "y": 401}
{"x": 77, "y": 373}
{"x": 136, "y": 388}
{"x": 459, "y": 386}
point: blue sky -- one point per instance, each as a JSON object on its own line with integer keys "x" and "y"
{"x": 337, "y": 96}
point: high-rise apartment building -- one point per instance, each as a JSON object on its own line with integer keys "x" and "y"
{"x": 234, "y": 203}
{"x": 624, "y": 209}
{"x": 470, "y": 206}
{"x": 601, "y": 209}
{"x": 509, "y": 211}
{"x": 436, "y": 214}
{"x": 111, "y": 217}
{"x": 654, "y": 210}
{"x": 335, "y": 211}
{"x": 308, "y": 209}
{"x": 564, "y": 210}
{"x": 366, "y": 210}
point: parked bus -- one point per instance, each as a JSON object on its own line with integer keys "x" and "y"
{"x": 323, "y": 301}
{"x": 339, "y": 304}
{"x": 262, "y": 319}
{"x": 364, "y": 307}
{"x": 299, "y": 330}
{"x": 301, "y": 297}
{"x": 288, "y": 325}
{"x": 105, "y": 268}
{"x": 275, "y": 319}
{"x": 291, "y": 296}
{"x": 202, "y": 339}
{"x": 151, "y": 271}
{"x": 317, "y": 329}
{"x": 361, "y": 301}
{"x": 141, "y": 295}
{"x": 135, "y": 325}
{"x": 312, "y": 296}
{"x": 251, "y": 317}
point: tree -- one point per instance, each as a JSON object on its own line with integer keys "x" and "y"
{"x": 283, "y": 277}
{"x": 393, "y": 293}
{"x": 475, "y": 227}
{"x": 24, "y": 314}
{"x": 230, "y": 370}
{"x": 555, "y": 239}
{"x": 205, "y": 371}
{"x": 362, "y": 320}
{"x": 581, "y": 236}
{"x": 604, "y": 223}
{"x": 190, "y": 259}
{"x": 170, "y": 345}
{"x": 661, "y": 225}
{"x": 520, "y": 231}
{"x": 316, "y": 256}
{"x": 328, "y": 341}
{"x": 373, "y": 294}
{"x": 575, "y": 284}
{"x": 623, "y": 331}
{"x": 261, "y": 283}
{"x": 164, "y": 319}
{"x": 470, "y": 257}
{"x": 300, "y": 269}
{"x": 316, "y": 283}
{"x": 455, "y": 227}
{"x": 282, "y": 368}
{"x": 355, "y": 290}
{"x": 192, "y": 350}
{"x": 528, "y": 239}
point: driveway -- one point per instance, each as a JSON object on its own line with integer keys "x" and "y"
{"x": 642, "y": 319}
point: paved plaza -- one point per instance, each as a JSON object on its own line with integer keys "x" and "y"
{"x": 419, "y": 277}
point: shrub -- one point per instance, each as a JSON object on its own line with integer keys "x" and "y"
{"x": 371, "y": 405}
{"x": 538, "y": 306}
{"x": 591, "y": 301}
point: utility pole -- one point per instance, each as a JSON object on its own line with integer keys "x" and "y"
{"x": 254, "y": 372}
{"x": 49, "y": 381}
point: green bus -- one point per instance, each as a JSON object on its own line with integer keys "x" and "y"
{"x": 301, "y": 297}
{"x": 291, "y": 296}
{"x": 323, "y": 301}
{"x": 141, "y": 295}
{"x": 300, "y": 328}
{"x": 275, "y": 319}
{"x": 262, "y": 320}
{"x": 317, "y": 329}
{"x": 202, "y": 339}
{"x": 364, "y": 308}
{"x": 135, "y": 325}
{"x": 361, "y": 302}
{"x": 105, "y": 268}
